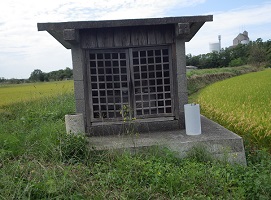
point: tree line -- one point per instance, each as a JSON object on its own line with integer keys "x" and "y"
{"x": 38, "y": 76}
{"x": 255, "y": 53}
{"x": 12, "y": 80}
{"x": 59, "y": 75}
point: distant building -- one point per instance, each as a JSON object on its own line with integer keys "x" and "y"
{"x": 215, "y": 47}
{"x": 242, "y": 38}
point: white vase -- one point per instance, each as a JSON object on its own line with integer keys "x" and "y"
{"x": 192, "y": 119}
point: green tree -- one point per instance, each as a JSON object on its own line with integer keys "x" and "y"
{"x": 37, "y": 75}
{"x": 224, "y": 57}
{"x": 240, "y": 51}
{"x": 192, "y": 60}
{"x": 68, "y": 72}
{"x": 257, "y": 53}
{"x": 2, "y": 80}
{"x": 236, "y": 62}
{"x": 268, "y": 52}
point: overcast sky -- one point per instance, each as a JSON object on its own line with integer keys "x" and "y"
{"x": 23, "y": 48}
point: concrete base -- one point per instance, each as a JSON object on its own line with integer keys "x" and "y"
{"x": 219, "y": 141}
{"x": 74, "y": 124}
{"x": 140, "y": 126}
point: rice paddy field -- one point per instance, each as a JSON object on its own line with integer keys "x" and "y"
{"x": 11, "y": 93}
{"x": 242, "y": 104}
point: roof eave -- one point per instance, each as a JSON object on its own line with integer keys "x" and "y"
{"x": 120, "y": 23}
{"x": 56, "y": 28}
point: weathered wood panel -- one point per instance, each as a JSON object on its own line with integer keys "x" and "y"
{"x": 127, "y": 36}
{"x": 118, "y": 40}
{"x": 160, "y": 37}
{"x": 134, "y": 37}
{"x": 151, "y": 37}
{"x": 89, "y": 39}
{"x": 101, "y": 38}
{"x": 109, "y": 38}
{"x": 122, "y": 37}
{"x": 168, "y": 36}
{"x": 143, "y": 37}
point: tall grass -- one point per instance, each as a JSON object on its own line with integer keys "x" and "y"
{"x": 242, "y": 104}
{"x": 33, "y": 128}
{"x": 38, "y": 160}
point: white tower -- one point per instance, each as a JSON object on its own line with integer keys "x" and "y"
{"x": 219, "y": 40}
{"x": 215, "y": 47}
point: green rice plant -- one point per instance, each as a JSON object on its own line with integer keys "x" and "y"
{"x": 242, "y": 104}
{"x": 10, "y": 94}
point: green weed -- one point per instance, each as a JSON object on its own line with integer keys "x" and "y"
{"x": 200, "y": 154}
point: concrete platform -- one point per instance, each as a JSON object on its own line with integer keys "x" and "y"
{"x": 221, "y": 142}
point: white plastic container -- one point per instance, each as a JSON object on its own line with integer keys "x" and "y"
{"x": 74, "y": 124}
{"x": 192, "y": 119}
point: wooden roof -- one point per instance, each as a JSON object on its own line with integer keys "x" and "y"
{"x": 56, "y": 28}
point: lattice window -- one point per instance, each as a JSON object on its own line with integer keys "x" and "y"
{"x": 109, "y": 83}
{"x": 152, "y": 88}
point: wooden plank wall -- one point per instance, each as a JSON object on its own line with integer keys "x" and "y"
{"x": 127, "y": 36}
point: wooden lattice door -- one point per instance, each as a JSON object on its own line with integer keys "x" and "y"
{"x": 151, "y": 72}
{"x": 109, "y": 82}
{"x": 138, "y": 79}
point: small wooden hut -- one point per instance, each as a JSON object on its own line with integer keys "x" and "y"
{"x": 129, "y": 69}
